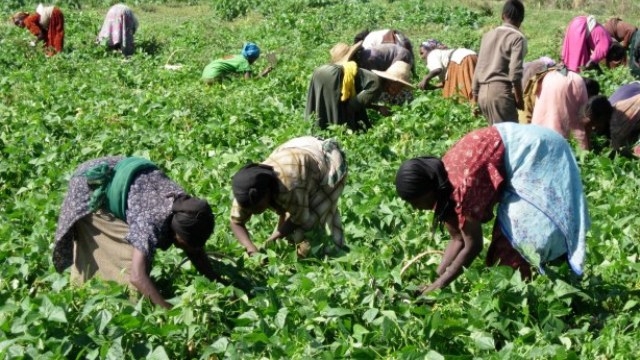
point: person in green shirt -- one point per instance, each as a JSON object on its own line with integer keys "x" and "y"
{"x": 241, "y": 63}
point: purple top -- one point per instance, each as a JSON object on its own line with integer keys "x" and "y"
{"x": 625, "y": 92}
{"x": 380, "y": 57}
{"x": 149, "y": 205}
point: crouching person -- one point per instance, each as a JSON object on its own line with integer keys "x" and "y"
{"x": 301, "y": 181}
{"x": 117, "y": 212}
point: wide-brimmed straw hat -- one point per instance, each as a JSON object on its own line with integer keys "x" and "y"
{"x": 341, "y": 52}
{"x": 399, "y": 71}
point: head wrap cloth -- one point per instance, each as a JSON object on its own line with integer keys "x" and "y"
{"x": 251, "y": 183}
{"x": 250, "y": 51}
{"x": 432, "y": 44}
{"x": 192, "y": 219}
{"x": 420, "y": 175}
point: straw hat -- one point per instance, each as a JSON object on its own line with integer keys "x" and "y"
{"x": 399, "y": 71}
{"x": 341, "y": 52}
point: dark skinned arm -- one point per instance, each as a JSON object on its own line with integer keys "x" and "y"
{"x": 425, "y": 81}
{"x": 201, "y": 262}
{"x": 453, "y": 248}
{"x": 242, "y": 234}
{"x": 139, "y": 277}
{"x": 471, "y": 234}
{"x": 284, "y": 229}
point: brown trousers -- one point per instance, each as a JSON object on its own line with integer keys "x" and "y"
{"x": 497, "y": 102}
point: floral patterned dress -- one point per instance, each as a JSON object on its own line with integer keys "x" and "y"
{"x": 149, "y": 203}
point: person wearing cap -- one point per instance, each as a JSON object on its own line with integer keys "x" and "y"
{"x": 216, "y": 70}
{"x": 301, "y": 181}
{"x": 530, "y": 172}
{"x": 340, "y": 92}
{"x": 453, "y": 67}
{"x": 118, "y": 30}
{"x": 117, "y": 212}
{"x": 47, "y": 24}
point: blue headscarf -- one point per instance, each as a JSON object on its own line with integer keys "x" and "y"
{"x": 250, "y": 51}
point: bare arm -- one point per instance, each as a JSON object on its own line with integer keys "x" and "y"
{"x": 471, "y": 234}
{"x": 453, "y": 248}
{"x": 285, "y": 227}
{"x": 201, "y": 262}
{"x": 242, "y": 234}
{"x": 425, "y": 81}
{"x": 266, "y": 71}
{"x": 140, "y": 279}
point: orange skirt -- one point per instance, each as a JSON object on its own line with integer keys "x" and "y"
{"x": 460, "y": 78}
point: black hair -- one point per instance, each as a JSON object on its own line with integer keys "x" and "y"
{"x": 513, "y": 10}
{"x": 599, "y": 109}
{"x": 361, "y": 35}
{"x": 616, "y": 52}
{"x": 593, "y": 87}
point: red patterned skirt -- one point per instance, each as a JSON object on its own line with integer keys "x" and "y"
{"x": 475, "y": 166}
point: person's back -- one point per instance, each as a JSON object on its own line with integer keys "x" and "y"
{"x": 625, "y": 91}
{"x": 380, "y": 57}
{"x": 498, "y": 74}
{"x": 559, "y": 101}
{"x": 221, "y": 67}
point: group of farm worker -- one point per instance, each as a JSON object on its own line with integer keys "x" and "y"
{"x": 119, "y": 210}
{"x": 47, "y": 24}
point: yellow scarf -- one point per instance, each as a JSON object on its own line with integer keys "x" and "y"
{"x": 350, "y": 69}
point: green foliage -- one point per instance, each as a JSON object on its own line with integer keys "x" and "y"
{"x": 58, "y": 112}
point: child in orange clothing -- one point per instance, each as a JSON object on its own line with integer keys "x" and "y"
{"x": 47, "y": 24}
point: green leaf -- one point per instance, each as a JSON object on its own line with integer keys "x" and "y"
{"x": 370, "y": 315}
{"x": 220, "y": 345}
{"x": 483, "y": 341}
{"x": 336, "y": 312}
{"x": 281, "y": 318}
{"x": 159, "y": 353}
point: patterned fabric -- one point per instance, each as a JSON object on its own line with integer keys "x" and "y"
{"x": 459, "y": 79}
{"x": 558, "y": 106}
{"x": 501, "y": 252}
{"x": 475, "y": 166}
{"x": 625, "y": 123}
{"x": 305, "y": 171}
{"x": 149, "y": 208}
{"x": 581, "y": 45}
{"x": 534, "y": 72}
{"x": 543, "y": 211}
{"x": 118, "y": 29}
{"x": 404, "y": 96}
